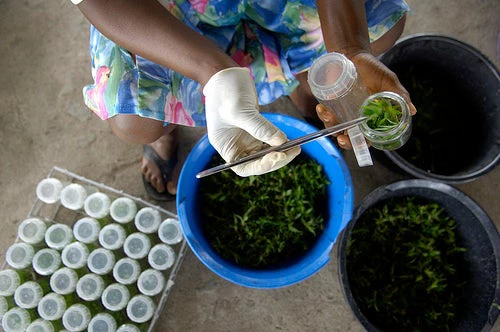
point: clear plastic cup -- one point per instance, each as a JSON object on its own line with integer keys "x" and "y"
{"x": 112, "y": 236}
{"x": 52, "y": 307}
{"x": 123, "y": 210}
{"x": 97, "y": 205}
{"x": 126, "y": 271}
{"x": 161, "y": 257}
{"x": 147, "y": 220}
{"x": 73, "y": 196}
{"x": 9, "y": 281}
{"x": 137, "y": 245}
{"x": 336, "y": 84}
{"x": 49, "y": 190}
{"x": 20, "y": 255}
{"x": 151, "y": 282}
{"x": 101, "y": 261}
{"x": 76, "y": 318}
{"x": 115, "y": 297}
{"x": 75, "y": 255}
{"x": 32, "y": 231}
{"x": 58, "y": 236}
{"x": 140, "y": 309}
{"x": 16, "y": 320}
{"x": 102, "y": 322}
{"x": 86, "y": 230}
{"x": 170, "y": 231}
{"x": 63, "y": 281}
{"x": 28, "y": 295}
{"x": 128, "y": 328}
{"x": 90, "y": 287}
{"x": 46, "y": 261}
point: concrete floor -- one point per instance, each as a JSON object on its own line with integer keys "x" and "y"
{"x": 44, "y": 64}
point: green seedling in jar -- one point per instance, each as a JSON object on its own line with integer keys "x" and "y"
{"x": 383, "y": 114}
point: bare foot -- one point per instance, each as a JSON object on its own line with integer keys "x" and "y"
{"x": 165, "y": 147}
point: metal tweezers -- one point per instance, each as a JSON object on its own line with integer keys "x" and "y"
{"x": 283, "y": 147}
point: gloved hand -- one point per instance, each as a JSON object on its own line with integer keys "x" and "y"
{"x": 236, "y": 128}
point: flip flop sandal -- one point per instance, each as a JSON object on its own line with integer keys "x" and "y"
{"x": 166, "y": 168}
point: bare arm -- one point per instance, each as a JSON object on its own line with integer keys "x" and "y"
{"x": 147, "y": 29}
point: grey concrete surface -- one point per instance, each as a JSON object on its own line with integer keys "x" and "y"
{"x": 44, "y": 65}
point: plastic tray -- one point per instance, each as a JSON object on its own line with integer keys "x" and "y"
{"x": 59, "y": 214}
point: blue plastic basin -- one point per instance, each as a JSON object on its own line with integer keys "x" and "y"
{"x": 340, "y": 196}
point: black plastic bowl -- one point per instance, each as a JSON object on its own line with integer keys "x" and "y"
{"x": 456, "y": 89}
{"x": 478, "y": 307}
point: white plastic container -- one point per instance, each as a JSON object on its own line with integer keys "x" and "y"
{"x": 147, "y": 220}
{"x": 20, "y": 255}
{"x": 336, "y": 84}
{"x": 28, "y": 295}
{"x": 97, "y": 205}
{"x": 75, "y": 255}
{"x": 123, "y": 210}
{"x": 101, "y": 261}
{"x": 32, "y": 231}
{"x": 49, "y": 190}
{"x": 140, "y": 309}
{"x": 115, "y": 297}
{"x": 86, "y": 230}
{"x": 161, "y": 257}
{"x": 151, "y": 282}
{"x": 170, "y": 231}
{"x": 63, "y": 281}
{"x": 112, "y": 236}
{"x": 46, "y": 261}
{"x": 73, "y": 196}
{"x": 58, "y": 236}
{"x": 137, "y": 245}
{"x": 90, "y": 287}
{"x": 126, "y": 271}
{"x": 52, "y": 306}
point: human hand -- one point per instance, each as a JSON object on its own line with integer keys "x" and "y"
{"x": 236, "y": 128}
{"x": 376, "y": 77}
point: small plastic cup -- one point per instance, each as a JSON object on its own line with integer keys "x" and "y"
{"x": 9, "y": 281}
{"x": 137, "y": 245}
{"x": 126, "y": 271}
{"x": 101, "y": 261}
{"x": 75, "y": 255}
{"x": 90, "y": 287}
{"x": 147, "y": 220}
{"x": 170, "y": 231}
{"x": 123, "y": 210}
{"x": 112, "y": 236}
{"x": 115, "y": 297}
{"x": 151, "y": 282}
{"x": 20, "y": 255}
{"x": 58, "y": 236}
{"x": 52, "y": 307}
{"x": 28, "y": 295}
{"x": 16, "y": 320}
{"x": 32, "y": 231}
{"x": 76, "y": 317}
{"x": 46, "y": 261}
{"x": 97, "y": 205}
{"x": 102, "y": 322}
{"x": 140, "y": 309}
{"x": 86, "y": 230}
{"x": 73, "y": 196}
{"x": 161, "y": 257}
{"x": 63, "y": 281}
{"x": 49, "y": 190}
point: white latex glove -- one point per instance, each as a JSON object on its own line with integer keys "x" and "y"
{"x": 236, "y": 128}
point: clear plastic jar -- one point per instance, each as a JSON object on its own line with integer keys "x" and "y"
{"x": 336, "y": 84}
{"x": 396, "y": 136}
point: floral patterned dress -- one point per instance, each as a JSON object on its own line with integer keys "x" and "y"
{"x": 275, "y": 39}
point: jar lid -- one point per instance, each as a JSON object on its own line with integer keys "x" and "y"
{"x": 123, "y": 210}
{"x": 161, "y": 257}
{"x": 115, "y": 297}
{"x": 49, "y": 190}
{"x": 147, "y": 220}
{"x": 97, "y": 205}
{"x": 90, "y": 287}
{"x": 140, "y": 309}
{"x": 32, "y": 230}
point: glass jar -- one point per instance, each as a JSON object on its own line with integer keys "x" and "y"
{"x": 397, "y": 135}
